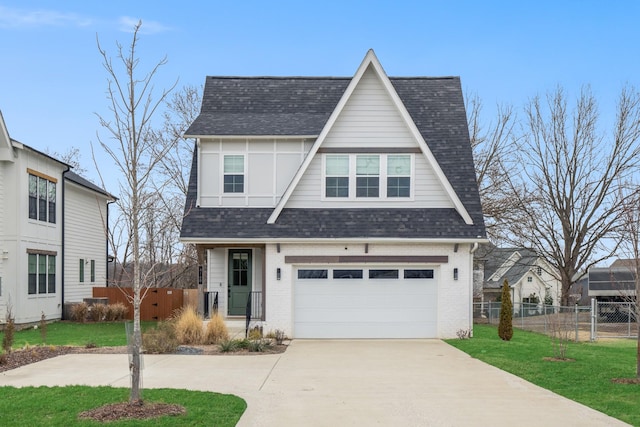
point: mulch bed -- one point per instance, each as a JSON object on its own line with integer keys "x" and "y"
{"x": 141, "y": 411}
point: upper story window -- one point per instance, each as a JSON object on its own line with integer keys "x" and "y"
{"x": 398, "y": 176}
{"x": 42, "y": 197}
{"x": 368, "y": 176}
{"x": 372, "y": 176}
{"x": 234, "y": 173}
{"x": 337, "y": 175}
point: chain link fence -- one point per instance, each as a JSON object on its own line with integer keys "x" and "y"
{"x": 582, "y": 323}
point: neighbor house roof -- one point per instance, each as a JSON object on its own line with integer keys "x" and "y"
{"x": 515, "y": 262}
{"x": 301, "y": 106}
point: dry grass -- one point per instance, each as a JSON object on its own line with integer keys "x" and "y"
{"x": 189, "y": 326}
{"x": 79, "y": 312}
{"x": 97, "y": 312}
{"x": 161, "y": 339}
{"x": 116, "y": 312}
{"x": 216, "y": 330}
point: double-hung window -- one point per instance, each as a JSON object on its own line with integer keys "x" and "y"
{"x": 336, "y": 175}
{"x": 398, "y": 176}
{"x": 368, "y": 176}
{"x": 233, "y": 173}
{"x": 42, "y": 198}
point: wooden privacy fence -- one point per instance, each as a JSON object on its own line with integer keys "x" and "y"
{"x": 158, "y": 304}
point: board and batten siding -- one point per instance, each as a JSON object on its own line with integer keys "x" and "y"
{"x": 85, "y": 238}
{"x": 270, "y": 165}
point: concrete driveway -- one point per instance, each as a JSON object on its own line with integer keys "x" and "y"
{"x": 339, "y": 383}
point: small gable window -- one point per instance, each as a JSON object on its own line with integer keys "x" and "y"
{"x": 337, "y": 176}
{"x": 233, "y": 174}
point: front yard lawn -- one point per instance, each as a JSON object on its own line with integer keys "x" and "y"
{"x": 585, "y": 379}
{"x": 100, "y": 334}
{"x": 60, "y": 406}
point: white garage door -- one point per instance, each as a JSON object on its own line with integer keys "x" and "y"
{"x": 365, "y": 302}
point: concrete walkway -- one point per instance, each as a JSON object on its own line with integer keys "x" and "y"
{"x": 338, "y": 383}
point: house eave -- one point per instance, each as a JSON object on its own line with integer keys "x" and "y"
{"x": 388, "y": 240}
{"x": 251, "y": 136}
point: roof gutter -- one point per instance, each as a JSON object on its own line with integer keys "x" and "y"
{"x": 231, "y": 240}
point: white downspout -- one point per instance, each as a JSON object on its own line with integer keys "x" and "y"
{"x": 474, "y": 248}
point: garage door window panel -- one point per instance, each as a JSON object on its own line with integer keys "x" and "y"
{"x": 418, "y": 273}
{"x": 347, "y": 274}
{"x": 313, "y": 274}
{"x": 383, "y": 274}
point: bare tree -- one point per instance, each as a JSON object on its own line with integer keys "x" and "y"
{"x": 71, "y": 157}
{"x": 493, "y": 148}
{"x": 628, "y": 235}
{"x": 570, "y": 172}
{"x": 136, "y": 154}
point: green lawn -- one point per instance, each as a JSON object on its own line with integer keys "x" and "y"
{"x": 60, "y": 406}
{"x": 586, "y": 379}
{"x": 102, "y": 334}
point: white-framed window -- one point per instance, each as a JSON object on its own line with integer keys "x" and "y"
{"x": 367, "y": 176}
{"x": 234, "y": 171}
{"x": 336, "y": 175}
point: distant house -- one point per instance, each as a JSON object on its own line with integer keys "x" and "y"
{"x": 530, "y": 277}
{"x": 336, "y": 207}
{"x": 52, "y": 233}
{"x": 615, "y": 283}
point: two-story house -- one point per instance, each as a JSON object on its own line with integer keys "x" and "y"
{"x": 341, "y": 207}
{"x": 51, "y": 222}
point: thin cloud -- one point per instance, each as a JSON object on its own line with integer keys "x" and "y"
{"x": 127, "y": 24}
{"x": 22, "y": 18}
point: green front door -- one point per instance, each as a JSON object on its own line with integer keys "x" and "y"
{"x": 239, "y": 280}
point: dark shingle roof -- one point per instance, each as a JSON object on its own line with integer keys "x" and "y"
{"x": 74, "y": 177}
{"x": 302, "y": 106}
{"x": 496, "y": 257}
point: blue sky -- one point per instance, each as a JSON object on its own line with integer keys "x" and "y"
{"x": 52, "y": 82}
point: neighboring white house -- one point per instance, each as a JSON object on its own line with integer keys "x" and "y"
{"x": 36, "y": 228}
{"x": 343, "y": 207}
{"x": 530, "y": 277}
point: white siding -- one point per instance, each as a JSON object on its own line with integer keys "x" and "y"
{"x": 85, "y": 238}
{"x": 26, "y": 234}
{"x": 369, "y": 119}
{"x": 270, "y": 167}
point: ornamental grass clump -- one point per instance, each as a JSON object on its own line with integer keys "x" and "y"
{"x": 189, "y": 326}
{"x": 505, "y": 327}
{"x": 216, "y": 330}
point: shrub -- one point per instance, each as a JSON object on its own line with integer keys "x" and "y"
{"x": 216, "y": 330}
{"x": 3, "y": 358}
{"x": 161, "y": 339}
{"x": 278, "y": 336}
{"x": 116, "y": 312}
{"x": 189, "y": 326}
{"x": 255, "y": 333}
{"x": 227, "y": 346}
{"x": 258, "y": 346}
{"x": 43, "y": 328}
{"x": 79, "y": 312}
{"x": 463, "y": 334}
{"x": 505, "y": 327}
{"x": 97, "y": 312}
{"x": 9, "y": 331}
